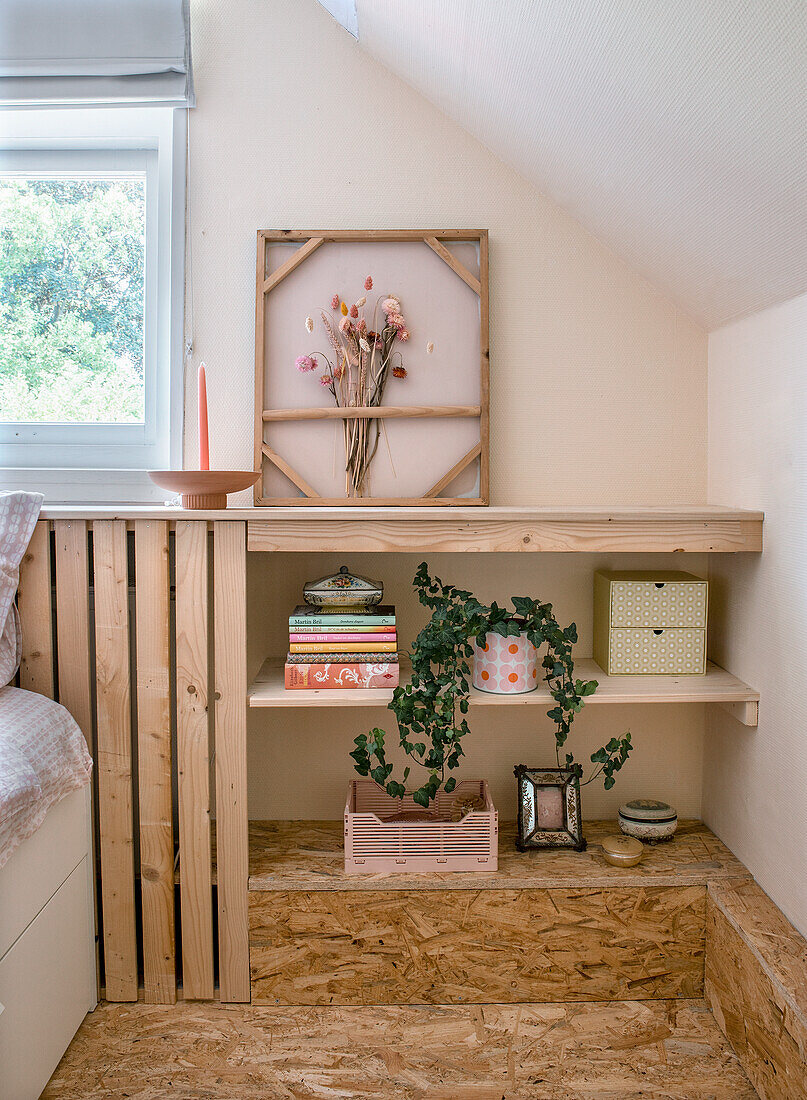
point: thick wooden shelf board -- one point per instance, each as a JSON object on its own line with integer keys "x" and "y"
{"x": 591, "y": 529}
{"x": 717, "y": 686}
{"x": 309, "y": 856}
{"x": 489, "y": 530}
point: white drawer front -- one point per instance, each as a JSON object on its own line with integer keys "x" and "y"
{"x": 659, "y": 652}
{"x": 658, "y": 604}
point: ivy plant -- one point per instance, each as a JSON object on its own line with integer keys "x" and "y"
{"x": 431, "y": 708}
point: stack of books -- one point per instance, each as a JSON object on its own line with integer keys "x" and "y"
{"x": 342, "y": 646}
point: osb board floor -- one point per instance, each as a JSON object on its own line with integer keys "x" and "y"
{"x": 309, "y": 855}
{"x": 334, "y": 947}
{"x": 622, "y": 1051}
{"x": 755, "y": 968}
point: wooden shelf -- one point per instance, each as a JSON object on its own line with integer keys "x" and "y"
{"x": 310, "y": 855}
{"x": 579, "y": 529}
{"x": 717, "y": 686}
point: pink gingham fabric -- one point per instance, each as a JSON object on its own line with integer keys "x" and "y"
{"x": 43, "y": 756}
{"x": 18, "y": 515}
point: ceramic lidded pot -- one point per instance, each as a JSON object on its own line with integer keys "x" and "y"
{"x": 505, "y": 666}
{"x": 341, "y": 588}
{"x": 648, "y": 820}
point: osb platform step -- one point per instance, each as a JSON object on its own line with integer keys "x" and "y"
{"x": 308, "y": 855}
{"x": 626, "y": 1051}
{"x": 549, "y": 926}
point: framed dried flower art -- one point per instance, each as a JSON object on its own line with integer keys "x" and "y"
{"x": 372, "y": 367}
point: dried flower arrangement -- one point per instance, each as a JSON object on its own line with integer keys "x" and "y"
{"x": 361, "y": 357}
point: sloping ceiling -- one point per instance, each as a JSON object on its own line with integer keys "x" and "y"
{"x": 675, "y": 131}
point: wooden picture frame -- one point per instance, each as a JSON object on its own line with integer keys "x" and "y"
{"x": 268, "y": 457}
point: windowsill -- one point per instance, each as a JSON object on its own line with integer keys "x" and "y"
{"x": 85, "y": 486}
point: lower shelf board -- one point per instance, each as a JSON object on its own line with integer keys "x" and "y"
{"x": 717, "y": 686}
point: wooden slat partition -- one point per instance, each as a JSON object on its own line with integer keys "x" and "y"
{"x": 193, "y": 759}
{"x": 113, "y": 759}
{"x": 73, "y": 622}
{"x": 229, "y": 616}
{"x": 154, "y": 760}
{"x": 36, "y": 611}
{"x": 127, "y": 723}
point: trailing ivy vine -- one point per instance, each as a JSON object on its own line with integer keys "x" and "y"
{"x": 431, "y": 708}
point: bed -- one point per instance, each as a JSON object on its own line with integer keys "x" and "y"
{"x": 47, "y": 924}
{"x": 47, "y": 911}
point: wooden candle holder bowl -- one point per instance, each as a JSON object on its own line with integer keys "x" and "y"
{"x": 204, "y": 488}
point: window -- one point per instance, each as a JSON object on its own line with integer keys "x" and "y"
{"x": 91, "y": 249}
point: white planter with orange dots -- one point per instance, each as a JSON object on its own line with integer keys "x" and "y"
{"x": 505, "y": 666}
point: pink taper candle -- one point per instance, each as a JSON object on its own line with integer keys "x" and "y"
{"x": 204, "y": 449}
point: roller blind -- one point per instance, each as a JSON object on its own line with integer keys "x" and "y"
{"x": 70, "y": 53}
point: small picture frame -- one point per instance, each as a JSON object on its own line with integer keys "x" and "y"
{"x": 549, "y": 808}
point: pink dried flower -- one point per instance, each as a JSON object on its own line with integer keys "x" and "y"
{"x": 399, "y": 372}
{"x": 345, "y": 325}
{"x": 361, "y": 327}
{"x": 339, "y": 371}
{"x": 325, "y": 380}
{"x": 403, "y": 334}
{"x": 354, "y": 311}
{"x": 335, "y": 302}
{"x": 305, "y": 363}
{"x": 391, "y": 305}
{"x": 368, "y": 283}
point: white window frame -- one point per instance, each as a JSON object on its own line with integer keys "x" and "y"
{"x": 108, "y": 462}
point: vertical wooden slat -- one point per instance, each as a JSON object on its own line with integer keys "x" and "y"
{"x": 154, "y": 760}
{"x": 484, "y": 395}
{"x": 34, "y": 603}
{"x": 229, "y": 615}
{"x": 260, "y": 351}
{"x": 73, "y": 622}
{"x": 114, "y": 758}
{"x": 193, "y": 760}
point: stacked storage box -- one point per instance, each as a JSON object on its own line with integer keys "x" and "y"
{"x": 650, "y": 623}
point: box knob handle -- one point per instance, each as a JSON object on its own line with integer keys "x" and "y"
{"x": 659, "y": 584}
{"x": 658, "y": 631}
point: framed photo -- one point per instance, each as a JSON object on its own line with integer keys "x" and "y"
{"x": 549, "y": 808}
{"x": 372, "y": 367}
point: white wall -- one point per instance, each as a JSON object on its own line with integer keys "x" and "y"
{"x": 598, "y": 382}
{"x": 755, "y": 780}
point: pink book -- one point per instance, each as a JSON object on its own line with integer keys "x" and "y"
{"x": 305, "y": 639}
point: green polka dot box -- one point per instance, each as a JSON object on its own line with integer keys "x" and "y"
{"x": 650, "y": 623}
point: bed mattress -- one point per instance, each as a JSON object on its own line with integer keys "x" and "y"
{"x": 43, "y": 757}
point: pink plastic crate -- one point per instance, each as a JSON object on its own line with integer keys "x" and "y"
{"x": 374, "y": 845}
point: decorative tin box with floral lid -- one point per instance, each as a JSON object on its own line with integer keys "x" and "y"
{"x": 343, "y": 588}
{"x": 647, "y": 819}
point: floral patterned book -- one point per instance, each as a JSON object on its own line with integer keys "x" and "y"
{"x": 362, "y": 675}
{"x": 354, "y": 658}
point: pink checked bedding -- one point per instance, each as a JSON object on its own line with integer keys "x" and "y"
{"x": 43, "y": 756}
